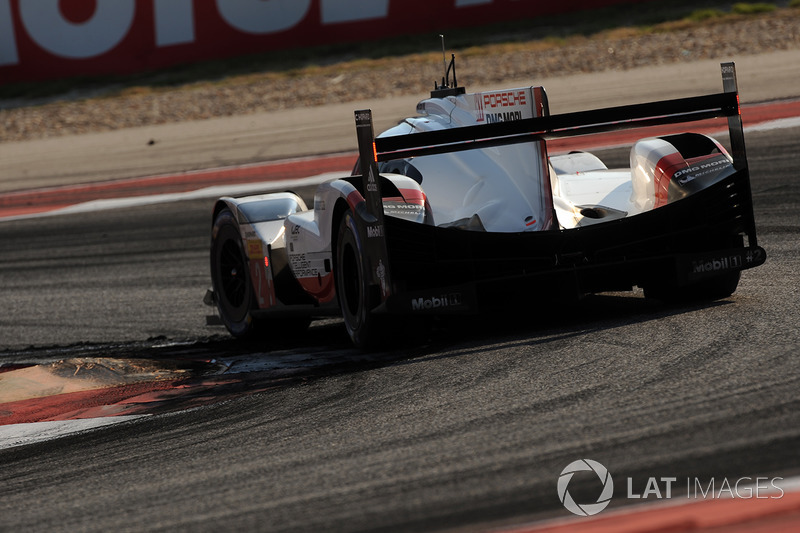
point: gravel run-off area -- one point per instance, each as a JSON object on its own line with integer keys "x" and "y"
{"x": 335, "y": 83}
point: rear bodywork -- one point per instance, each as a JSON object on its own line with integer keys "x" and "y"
{"x": 462, "y": 209}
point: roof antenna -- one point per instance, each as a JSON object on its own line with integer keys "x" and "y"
{"x": 444, "y": 62}
{"x": 443, "y": 90}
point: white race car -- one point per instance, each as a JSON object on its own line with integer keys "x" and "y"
{"x": 461, "y": 210}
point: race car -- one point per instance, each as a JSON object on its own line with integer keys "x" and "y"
{"x": 461, "y": 209}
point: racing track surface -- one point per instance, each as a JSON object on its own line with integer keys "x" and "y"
{"x": 469, "y": 428}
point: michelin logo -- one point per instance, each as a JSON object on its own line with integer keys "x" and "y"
{"x": 702, "y": 170}
{"x": 436, "y": 302}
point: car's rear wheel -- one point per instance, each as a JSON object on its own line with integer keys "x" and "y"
{"x": 352, "y": 287}
{"x": 714, "y": 288}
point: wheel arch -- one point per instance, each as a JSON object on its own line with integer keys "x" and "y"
{"x": 344, "y": 196}
{"x": 222, "y": 204}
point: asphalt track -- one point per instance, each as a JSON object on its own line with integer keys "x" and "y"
{"x": 466, "y": 428}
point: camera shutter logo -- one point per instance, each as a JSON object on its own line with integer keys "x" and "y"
{"x": 586, "y": 509}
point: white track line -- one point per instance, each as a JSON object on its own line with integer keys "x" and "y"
{"x": 250, "y": 188}
{"x": 215, "y": 191}
{"x": 14, "y": 435}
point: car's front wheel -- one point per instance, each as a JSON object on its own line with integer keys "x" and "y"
{"x": 230, "y": 276}
{"x": 233, "y": 288}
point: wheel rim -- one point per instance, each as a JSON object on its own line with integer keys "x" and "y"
{"x": 232, "y": 274}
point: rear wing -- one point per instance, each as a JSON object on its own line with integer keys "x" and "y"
{"x": 724, "y": 104}
{"x": 373, "y": 150}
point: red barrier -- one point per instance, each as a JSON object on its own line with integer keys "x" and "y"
{"x": 49, "y": 39}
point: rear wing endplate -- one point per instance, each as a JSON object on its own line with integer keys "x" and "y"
{"x": 371, "y": 227}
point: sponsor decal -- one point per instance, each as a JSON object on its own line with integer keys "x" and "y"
{"x": 375, "y": 231}
{"x": 755, "y": 255}
{"x": 717, "y": 264}
{"x": 502, "y": 106}
{"x": 294, "y": 233}
{"x": 52, "y": 39}
{"x": 492, "y": 118}
{"x": 400, "y": 208}
{"x": 436, "y": 302}
{"x": 728, "y": 71}
{"x": 505, "y": 99}
{"x": 303, "y": 267}
{"x": 372, "y": 185}
{"x": 686, "y": 175}
{"x": 254, "y": 250}
{"x": 363, "y": 119}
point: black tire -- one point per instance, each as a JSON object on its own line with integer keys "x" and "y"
{"x": 233, "y": 288}
{"x": 352, "y": 286}
{"x": 230, "y": 276}
{"x": 719, "y": 287}
{"x": 715, "y": 288}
